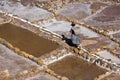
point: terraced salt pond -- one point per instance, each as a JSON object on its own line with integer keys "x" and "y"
{"x": 107, "y": 55}
{"x": 26, "y": 40}
{"x": 14, "y": 63}
{"x": 76, "y": 69}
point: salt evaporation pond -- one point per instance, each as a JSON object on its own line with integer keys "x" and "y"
{"x": 26, "y": 40}
{"x": 107, "y": 55}
{"x": 76, "y": 69}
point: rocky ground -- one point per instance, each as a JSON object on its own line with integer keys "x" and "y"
{"x": 97, "y": 23}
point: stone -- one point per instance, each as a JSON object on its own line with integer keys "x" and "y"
{"x": 81, "y": 52}
{"x": 34, "y": 70}
{"x": 76, "y": 50}
{"x": 31, "y": 57}
{"x": 23, "y": 72}
{"x": 40, "y": 62}
{"x": 98, "y": 49}
{"x": 16, "y": 49}
{"x": 4, "y": 75}
{"x": 1, "y": 40}
{"x": 64, "y": 78}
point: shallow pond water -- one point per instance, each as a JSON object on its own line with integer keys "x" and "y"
{"x": 76, "y": 69}
{"x": 26, "y": 40}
